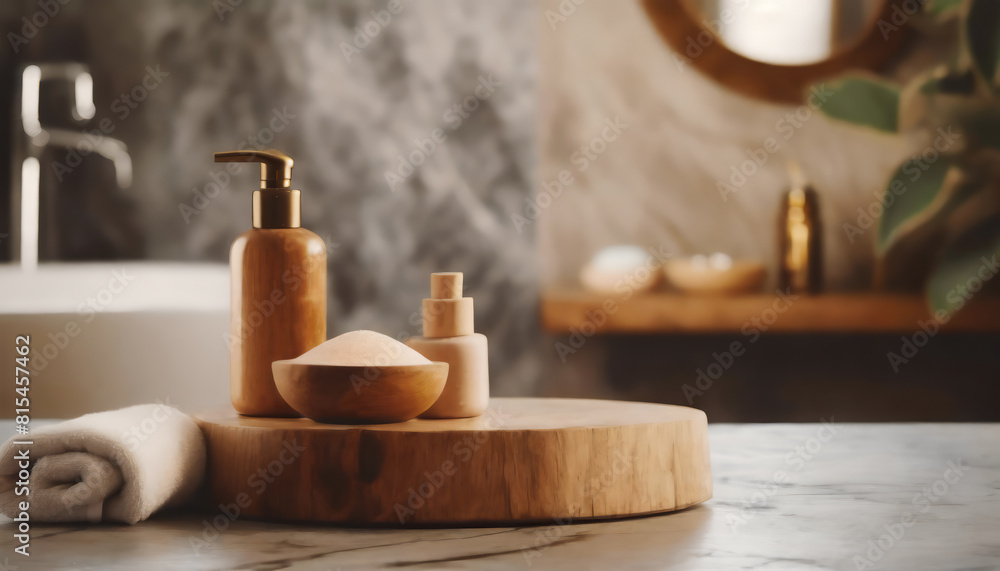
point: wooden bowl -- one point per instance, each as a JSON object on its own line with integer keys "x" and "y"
{"x": 742, "y": 276}
{"x": 359, "y": 395}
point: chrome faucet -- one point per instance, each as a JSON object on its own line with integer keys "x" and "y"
{"x": 32, "y": 138}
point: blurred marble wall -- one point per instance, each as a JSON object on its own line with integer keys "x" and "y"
{"x": 358, "y": 92}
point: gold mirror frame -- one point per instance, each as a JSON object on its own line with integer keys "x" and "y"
{"x": 676, "y": 23}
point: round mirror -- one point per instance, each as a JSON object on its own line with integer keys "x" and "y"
{"x": 787, "y": 32}
{"x": 777, "y": 49}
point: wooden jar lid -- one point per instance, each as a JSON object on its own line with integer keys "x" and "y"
{"x": 448, "y": 317}
{"x": 446, "y": 285}
{"x": 446, "y": 313}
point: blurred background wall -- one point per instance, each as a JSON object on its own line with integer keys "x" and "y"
{"x": 656, "y": 185}
{"x": 298, "y": 77}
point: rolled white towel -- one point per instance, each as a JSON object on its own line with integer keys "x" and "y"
{"x": 121, "y": 466}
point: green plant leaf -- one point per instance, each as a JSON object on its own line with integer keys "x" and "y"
{"x": 913, "y": 100}
{"x": 942, "y": 8}
{"x": 982, "y": 37}
{"x": 863, "y": 101}
{"x": 917, "y": 191}
{"x": 965, "y": 265}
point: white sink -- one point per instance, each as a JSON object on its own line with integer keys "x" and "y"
{"x": 109, "y": 335}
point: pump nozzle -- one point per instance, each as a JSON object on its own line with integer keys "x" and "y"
{"x": 275, "y": 166}
{"x": 275, "y": 205}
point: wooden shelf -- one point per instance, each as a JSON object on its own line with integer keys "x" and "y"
{"x": 565, "y": 311}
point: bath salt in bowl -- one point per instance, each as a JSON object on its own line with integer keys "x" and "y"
{"x": 361, "y": 377}
{"x": 362, "y": 349}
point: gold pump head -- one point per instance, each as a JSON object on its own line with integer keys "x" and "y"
{"x": 275, "y": 205}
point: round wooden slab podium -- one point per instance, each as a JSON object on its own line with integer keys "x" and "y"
{"x": 527, "y": 460}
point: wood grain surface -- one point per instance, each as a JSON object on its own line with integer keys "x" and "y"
{"x": 524, "y": 461}
{"x": 569, "y": 310}
{"x": 361, "y": 395}
{"x": 278, "y": 306}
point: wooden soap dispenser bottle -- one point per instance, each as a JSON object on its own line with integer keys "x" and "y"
{"x": 449, "y": 337}
{"x": 277, "y": 287}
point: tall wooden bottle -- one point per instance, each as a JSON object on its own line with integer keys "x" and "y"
{"x": 278, "y": 288}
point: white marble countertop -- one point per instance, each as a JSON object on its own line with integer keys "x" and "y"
{"x": 787, "y": 496}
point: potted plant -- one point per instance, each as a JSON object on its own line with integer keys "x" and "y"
{"x": 955, "y": 179}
